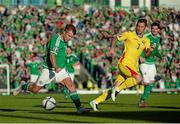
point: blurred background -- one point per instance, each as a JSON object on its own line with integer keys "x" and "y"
{"x": 27, "y": 25}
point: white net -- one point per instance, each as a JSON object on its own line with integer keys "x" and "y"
{"x": 4, "y": 79}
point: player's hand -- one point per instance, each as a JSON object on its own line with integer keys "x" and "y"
{"x": 152, "y": 47}
{"x": 57, "y": 70}
{"x": 142, "y": 60}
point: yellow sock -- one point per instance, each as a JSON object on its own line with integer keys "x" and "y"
{"x": 107, "y": 93}
{"x": 103, "y": 97}
{"x": 129, "y": 82}
{"x": 142, "y": 88}
{"x": 137, "y": 89}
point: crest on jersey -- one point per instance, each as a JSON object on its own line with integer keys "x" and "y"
{"x": 55, "y": 49}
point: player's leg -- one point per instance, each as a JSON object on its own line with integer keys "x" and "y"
{"x": 45, "y": 78}
{"x": 64, "y": 88}
{"x": 67, "y": 82}
{"x": 105, "y": 95}
{"x": 65, "y": 79}
{"x": 144, "y": 71}
{"x": 133, "y": 78}
{"x": 149, "y": 72}
{"x": 137, "y": 89}
{"x": 65, "y": 92}
{"x": 32, "y": 87}
{"x": 145, "y": 95}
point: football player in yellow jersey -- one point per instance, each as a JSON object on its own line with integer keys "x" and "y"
{"x": 134, "y": 44}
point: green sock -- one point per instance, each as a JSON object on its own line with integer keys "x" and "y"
{"x": 65, "y": 92}
{"x": 146, "y": 93}
{"x": 25, "y": 87}
{"x": 75, "y": 98}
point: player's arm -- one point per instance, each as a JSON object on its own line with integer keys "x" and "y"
{"x": 142, "y": 60}
{"x": 53, "y": 62}
{"x": 148, "y": 49}
{"x": 147, "y": 52}
{"x": 53, "y": 52}
{"x": 114, "y": 40}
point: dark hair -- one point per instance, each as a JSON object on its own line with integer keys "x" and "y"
{"x": 70, "y": 27}
{"x": 155, "y": 24}
{"x": 142, "y": 21}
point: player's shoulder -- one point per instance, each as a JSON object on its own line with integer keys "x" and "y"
{"x": 148, "y": 34}
{"x": 54, "y": 36}
{"x": 126, "y": 32}
{"x": 131, "y": 32}
{"x": 146, "y": 38}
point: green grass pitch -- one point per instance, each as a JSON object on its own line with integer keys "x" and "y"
{"x": 27, "y": 108}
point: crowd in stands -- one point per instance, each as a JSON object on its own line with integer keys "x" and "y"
{"x": 24, "y": 31}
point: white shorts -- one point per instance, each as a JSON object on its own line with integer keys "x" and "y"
{"x": 72, "y": 76}
{"x": 33, "y": 78}
{"x": 61, "y": 75}
{"x": 148, "y": 72}
{"x": 47, "y": 76}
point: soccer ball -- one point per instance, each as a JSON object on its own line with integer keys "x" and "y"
{"x": 49, "y": 103}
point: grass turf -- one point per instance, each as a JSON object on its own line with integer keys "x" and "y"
{"x": 27, "y": 108}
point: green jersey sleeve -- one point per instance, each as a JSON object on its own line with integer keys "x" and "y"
{"x": 54, "y": 43}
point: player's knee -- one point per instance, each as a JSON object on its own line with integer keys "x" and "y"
{"x": 36, "y": 89}
{"x": 69, "y": 84}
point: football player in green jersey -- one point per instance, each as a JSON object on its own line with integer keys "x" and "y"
{"x": 54, "y": 67}
{"x": 148, "y": 67}
{"x": 33, "y": 66}
{"x": 71, "y": 63}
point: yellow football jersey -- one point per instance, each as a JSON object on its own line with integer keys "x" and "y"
{"x": 133, "y": 47}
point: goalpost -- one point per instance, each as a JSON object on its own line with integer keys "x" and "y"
{"x": 4, "y": 79}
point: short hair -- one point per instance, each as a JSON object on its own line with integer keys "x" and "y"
{"x": 142, "y": 20}
{"x": 155, "y": 24}
{"x": 70, "y": 27}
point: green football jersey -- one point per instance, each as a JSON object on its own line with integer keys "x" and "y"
{"x": 34, "y": 67}
{"x": 2, "y": 58}
{"x": 58, "y": 47}
{"x": 70, "y": 60}
{"x": 155, "y": 52}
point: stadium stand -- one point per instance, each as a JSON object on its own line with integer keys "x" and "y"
{"x": 24, "y": 31}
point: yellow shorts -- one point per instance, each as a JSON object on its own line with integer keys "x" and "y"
{"x": 127, "y": 71}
